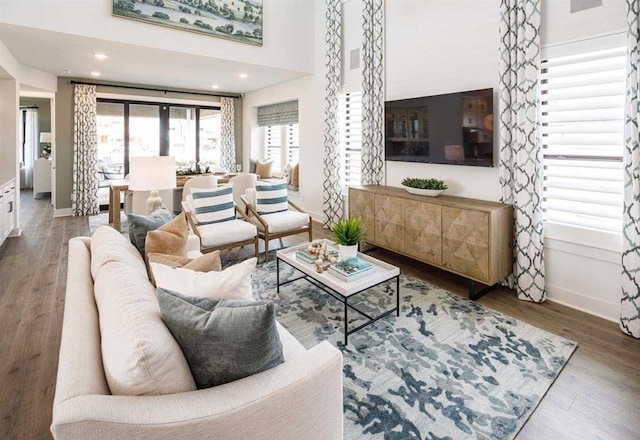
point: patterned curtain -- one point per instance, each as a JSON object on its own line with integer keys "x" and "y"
{"x": 373, "y": 93}
{"x": 84, "y": 197}
{"x": 227, "y": 141}
{"x": 332, "y": 191}
{"x": 520, "y": 158}
{"x": 630, "y": 302}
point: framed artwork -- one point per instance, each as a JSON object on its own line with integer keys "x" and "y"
{"x": 238, "y": 20}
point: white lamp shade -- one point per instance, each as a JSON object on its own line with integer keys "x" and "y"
{"x": 45, "y": 137}
{"x": 152, "y": 173}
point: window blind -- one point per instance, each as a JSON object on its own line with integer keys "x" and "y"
{"x": 293, "y": 144}
{"x": 278, "y": 114}
{"x": 582, "y": 133}
{"x": 273, "y": 144}
{"x": 350, "y": 135}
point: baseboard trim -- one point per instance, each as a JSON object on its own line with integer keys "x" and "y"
{"x": 578, "y": 301}
{"x": 65, "y": 212}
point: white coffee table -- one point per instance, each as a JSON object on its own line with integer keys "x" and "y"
{"x": 339, "y": 289}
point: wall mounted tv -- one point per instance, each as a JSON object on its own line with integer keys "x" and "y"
{"x": 456, "y": 128}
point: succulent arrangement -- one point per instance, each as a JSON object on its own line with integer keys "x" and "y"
{"x": 413, "y": 182}
{"x": 349, "y": 231}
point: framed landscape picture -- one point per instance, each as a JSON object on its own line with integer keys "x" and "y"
{"x": 239, "y": 20}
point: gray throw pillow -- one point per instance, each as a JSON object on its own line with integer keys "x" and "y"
{"x": 139, "y": 225}
{"x": 223, "y": 340}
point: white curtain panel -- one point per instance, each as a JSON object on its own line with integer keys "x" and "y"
{"x": 332, "y": 191}
{"x": 227, "y": 134}
{"x": 84, "y": 197}
{"x": 31, "y": 145}
{"x": 630, "y": 302}
{"x": 373, "y": 92}
{"x": 520, "y": 156}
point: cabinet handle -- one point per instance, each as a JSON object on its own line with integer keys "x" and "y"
{"x": 10, "y": 207}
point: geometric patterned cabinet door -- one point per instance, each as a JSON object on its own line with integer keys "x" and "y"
{"x": 362, "y": 203}
{"x": 423, "y": 231}
{"x": 389, "y": 221}
{"x": 465, "y": 242}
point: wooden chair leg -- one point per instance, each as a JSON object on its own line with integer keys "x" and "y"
{"x": 280, "y": 240}
{"x": 266, "y": 246}
{"x": 257, "y": 248}
{"x": 310, "y": 231}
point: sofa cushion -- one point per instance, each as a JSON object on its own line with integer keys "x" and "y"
{"x": 220, "y": 234}
{"x": 223, "y": 340}
{"x": 271, "y": 197}
{"x": 213, "y": 205}
{"x": 170, "y": 238}
{"x": 232, "y": 283}
{"x": 108, "y": 245}
{"x": 203, "y": 263}
{"x": 139, "y": 354}
{"x": 139, "y": 225}
{"x": 283, "y": 221}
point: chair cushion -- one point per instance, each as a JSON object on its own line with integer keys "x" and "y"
{"x": 263, "y": 169}
{"x": 139, "y": 225}
{"x": 232, "y": 283}
{"x": 223, "y": 340}
{"x": 283, "y": 221}
{"x": 271, "y": 197}
{"x": 220, "y": 234}
{"x": 213, "y": 205}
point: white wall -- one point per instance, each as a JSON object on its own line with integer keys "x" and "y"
{"x": 309, "y": 91}
{"x": 436, "y": 46}
{"x": 285, "y": 42}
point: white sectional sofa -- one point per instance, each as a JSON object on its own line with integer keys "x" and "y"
{"x": 299, "y": 399}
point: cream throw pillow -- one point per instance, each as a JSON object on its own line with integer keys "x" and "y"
{"x": 231, "y": 283}
{"x": 263, "y": 169}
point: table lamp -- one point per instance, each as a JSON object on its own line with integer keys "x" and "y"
{"x": 454, "y": 153}
{"x": 152, "y": 174}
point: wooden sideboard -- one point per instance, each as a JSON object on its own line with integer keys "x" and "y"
{"x": 472, "y": 238}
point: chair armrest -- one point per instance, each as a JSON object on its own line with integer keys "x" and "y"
{"x": 296, "y": 207}
{"x": 253, "y": 211}
{"x": 294, "y": 400}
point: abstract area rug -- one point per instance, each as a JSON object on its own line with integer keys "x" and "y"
{"x": 447, "y": 368}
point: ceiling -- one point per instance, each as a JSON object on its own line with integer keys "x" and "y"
{"x": 58, "y": 53}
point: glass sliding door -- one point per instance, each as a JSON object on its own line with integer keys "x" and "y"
{"x": 182, "y": 135}
{"x": 210, "y": 136}
{"x": 144, "y": 130}
{"x": 111, "y": 140}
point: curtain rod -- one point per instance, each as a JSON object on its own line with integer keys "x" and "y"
{"x": 152, "y": 89}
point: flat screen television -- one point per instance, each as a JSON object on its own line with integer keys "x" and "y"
{"x": 455, "y": 128}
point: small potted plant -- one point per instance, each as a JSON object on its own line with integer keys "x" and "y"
{"x": 348, "y": 233}
{"x": 424, "y": 187}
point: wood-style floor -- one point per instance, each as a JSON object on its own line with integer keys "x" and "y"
{"x": 597, "y": 396}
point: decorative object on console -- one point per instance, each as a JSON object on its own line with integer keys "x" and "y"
{"x": 424, "y": 187}
{"x": 45, "y": 138}
{"x": 241, "y": 22}
{"x": 152, "y": 174}
{"x": 222, "y": 340}
{"x": 348, "y": 234}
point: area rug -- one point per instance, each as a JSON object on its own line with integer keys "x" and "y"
{"x": 447, "y": 368}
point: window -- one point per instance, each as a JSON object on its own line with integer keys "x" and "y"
{"x": 282, "y": 146}
{"x": 350, "y": 135}
{"x": 190, "y": 133}
{"x": 582, "y": 132}
{"x": 273, "y": 145}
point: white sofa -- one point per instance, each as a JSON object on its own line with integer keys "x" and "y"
{"x": 299, "y": 399}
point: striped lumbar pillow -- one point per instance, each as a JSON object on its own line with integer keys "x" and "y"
{"x": 213, "y": 205}
{"x": 271, "y": 198}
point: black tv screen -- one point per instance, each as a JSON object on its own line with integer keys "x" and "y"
{"x": 455, "y": 128}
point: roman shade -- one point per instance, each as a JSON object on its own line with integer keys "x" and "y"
{"x": 278, "y": 114}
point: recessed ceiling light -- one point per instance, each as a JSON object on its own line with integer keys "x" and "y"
{"x": 67, "y": 71}
{"x": 243, "y": 75}
{"x": 94, "y": 73}
{"x": 215, "y": 86}
{"x": 100, "y": 56}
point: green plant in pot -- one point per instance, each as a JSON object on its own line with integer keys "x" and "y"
{"x": 348, "y": 233}
{"x": 425, "y": 187}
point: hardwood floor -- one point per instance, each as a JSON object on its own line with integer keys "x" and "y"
{"x": 597, "y": 396}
